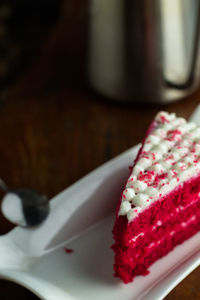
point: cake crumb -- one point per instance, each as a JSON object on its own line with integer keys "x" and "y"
{"x": 68, "y": 250}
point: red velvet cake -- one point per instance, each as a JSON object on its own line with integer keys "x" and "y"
{"x": 160, "y": 204}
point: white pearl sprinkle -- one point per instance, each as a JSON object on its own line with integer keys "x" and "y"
{"x": 137, "y": 169}
{"x": 166, "y": 164}
{"x": 133, "y": 213}
{"x": 139, "y": 186}
{"x": 147, "y": 147}
{"x": 160, "y": 132}
{"x": 150, "y": 191}
{"x": 157, "y": 155}
{"x": 158, "y": 168}
{"x": 141, "y": 200}
{"x": 154, "y": 139}
{"x": 188, "y": 159}
{"x": 124, "y": 208}
{"x": 130, "y": 181}
{"x": 180, "y": 166}
{"x": 160, "y": 148}
{"x": 196, "y": 132}
{"x": 144, "y": 163}
{"x": 176, "y": 154}
{"x": 162, "y": 115}
{"x": 167, "y": 126}
{"x": 128, "y": 194}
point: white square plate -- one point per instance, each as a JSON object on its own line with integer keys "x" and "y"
{"x": 81, "y": 219}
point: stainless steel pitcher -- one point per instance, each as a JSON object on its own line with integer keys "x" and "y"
{"x": 144, "y": 50}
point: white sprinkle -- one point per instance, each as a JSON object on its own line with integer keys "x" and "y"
{"x": 158, "y": 168}
{"x": 141, "y": 200}
{"x": 150, "y": 191}
{"x": 144, "y": 163}
{"x": 137, "y": 169}
{"x": 154, "y": 139}
{"x": 139, "y": 186}
{"x": 128, "y": 194}
{"x": 124, "y": 208}
{"x": 133, "y": 213}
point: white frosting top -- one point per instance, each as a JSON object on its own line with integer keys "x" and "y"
{"x": 170, "y": 156}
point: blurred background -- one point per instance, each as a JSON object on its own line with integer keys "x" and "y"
{"x": 79, "y": 83}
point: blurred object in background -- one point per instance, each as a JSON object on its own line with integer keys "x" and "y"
{"x": 24, "y": 25}
{"x": 144, "y": 50}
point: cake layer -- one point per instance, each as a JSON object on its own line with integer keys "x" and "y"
{"x": 142, "y": 240}
{"x": 136, "y": 240}
{"x": 147, "y": 240}
{"x": 186, "y": 194}
{"x": 164, "y": 246}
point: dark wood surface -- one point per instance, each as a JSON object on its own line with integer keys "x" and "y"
{"x": 54, "y": 130}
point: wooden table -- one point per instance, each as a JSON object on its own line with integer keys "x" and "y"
{"x": 54, "y": 130}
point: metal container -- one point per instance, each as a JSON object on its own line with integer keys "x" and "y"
{"x": 142, "y": 50}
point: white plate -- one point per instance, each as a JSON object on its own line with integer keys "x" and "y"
{"x": 35, "y": 258}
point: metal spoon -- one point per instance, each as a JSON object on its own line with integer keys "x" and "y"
{"x": 24, "y": 207}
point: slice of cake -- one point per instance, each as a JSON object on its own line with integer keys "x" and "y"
{"x": 160, "y": 204}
